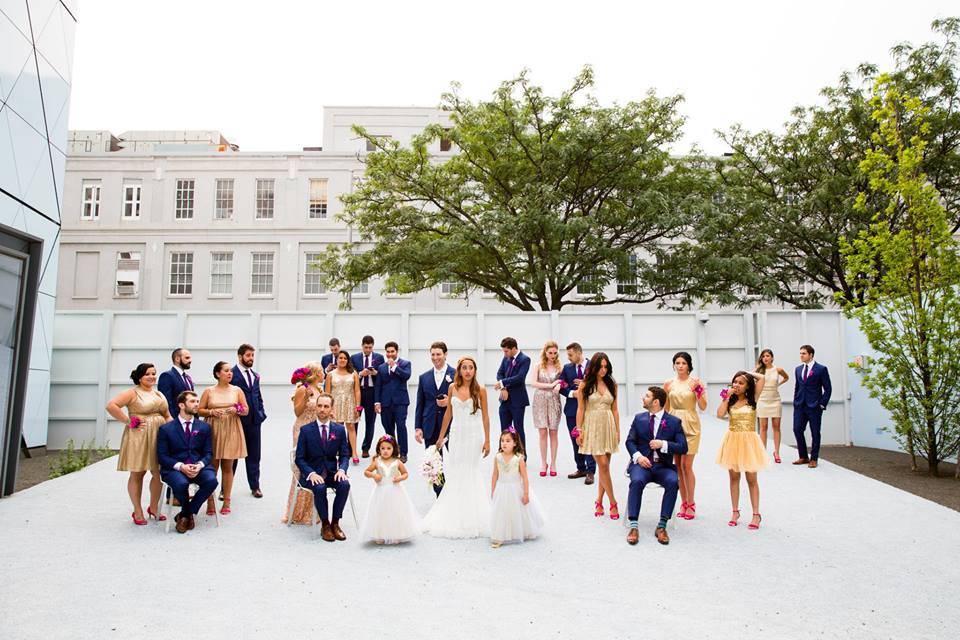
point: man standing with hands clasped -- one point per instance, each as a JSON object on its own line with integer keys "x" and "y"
{"x": 366, "y": 363}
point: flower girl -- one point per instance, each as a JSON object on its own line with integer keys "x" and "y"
{"x": 391, "y": 517}
{"x": 516, "y": 515}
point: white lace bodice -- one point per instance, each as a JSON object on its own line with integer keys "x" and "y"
{"x": 389, "y": 470}
{"x": 509, "y": 470}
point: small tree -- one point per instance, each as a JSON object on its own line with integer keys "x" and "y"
{"x": 907, "y": 266}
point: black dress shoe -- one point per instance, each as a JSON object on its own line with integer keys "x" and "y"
{"x": 589, "y": 479}
{"x": 579, "y": 473}
{"x": 365, "y": 453}
{"x": 403, "y": 459}
{"x": 257, "y": 493}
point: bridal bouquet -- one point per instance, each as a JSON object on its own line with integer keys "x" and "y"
{"x": 432, "y": 467}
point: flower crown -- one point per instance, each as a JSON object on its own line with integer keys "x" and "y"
{"x": 510, "y": 429}
{"x": 300, "y": 374}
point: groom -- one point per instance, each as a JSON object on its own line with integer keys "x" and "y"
{"x": 432, "y": 399}
{"x": 323, "y": 457}
{"x": 655, "y": 437}
{"x": 811, "y": 395}
{"x": 512, "y": 385}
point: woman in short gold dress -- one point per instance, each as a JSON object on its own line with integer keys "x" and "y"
{"x": 147, "y": 410}
{"x": 598, "y": 421}
{"x": 770, "y": 405}
{"x": 305, "y": 408}
{"x": 222, "y": 405}
{"x": 741, "y": 450}
{"x": 343, "y": 384}
{"x": 685, "y": 395}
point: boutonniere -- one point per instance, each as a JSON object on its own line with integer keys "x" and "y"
{"x": 663, "y": 421}
{"x": 333, "y": 437}
{"x": 563, "y": 384}
{"x": 448, "y": 378}
{"x": 194, "y": 433}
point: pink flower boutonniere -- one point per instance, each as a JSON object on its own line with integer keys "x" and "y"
{"x": 135, "y": 422}
{"x": 333, "y": 437}
{"x": 448, "y": 379}
{"x": 194, "y": 433}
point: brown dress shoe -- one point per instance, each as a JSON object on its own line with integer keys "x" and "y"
{"x": 589, "y": 479}
{"x": 634, "y": 536}
{"x": 326, "y": 532}
{"x": 577, "y": 474}
{"x": 191, "y": 522}
{"x": 813, "y": 464}
{"x": 183, "y": 522}
{"x": 662, "y": 536}
{"x": 801, "y": 461}
{"x": 338, "y": 532}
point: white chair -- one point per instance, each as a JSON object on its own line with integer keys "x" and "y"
{"x": 166, "y": 501}
{"x": 297, "y": 488}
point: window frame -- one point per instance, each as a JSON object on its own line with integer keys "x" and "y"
{"x": 132, "y": 203}
{"x": 180, "y": 199}
{"x": 320, "y": 214}
{"x": 254, "y": 274}
{"x": 214, "y": 263}
{"x": 188, "y": 271}
{"x": 259, "y": 199}
{"x": 86, "y": 201}
{"x": 220, "y": 200}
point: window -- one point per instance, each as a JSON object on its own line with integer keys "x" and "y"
{"x": 261, "y": 273}
{"x": 181, "y": 273}
{"x": 184, "y": 204}
{"x": 128, "y": 274}
{"x": 224, "y": 203}
{"x": 588, "y": 286}
{"x": 318, "y": 198}
{"x": 131, "y": 199}
{"x": 627, "y": 277}
{"x": 372, "y": 146}
{"x": 311, "y": 275}
{"x": 221, "y": 273}
{"x": 91, "y": 200}
{"x": 85, "y": 274}
{"x": 445, "y": 143}
{"x": 361, "y": 289}
{"x": 264, "y": 204}
{"x": 449, "y": 288}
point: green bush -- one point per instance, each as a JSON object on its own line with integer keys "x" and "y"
{"x": 72, "y": 459}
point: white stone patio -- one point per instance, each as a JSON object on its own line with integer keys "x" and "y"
{"x": 838, "y": 556}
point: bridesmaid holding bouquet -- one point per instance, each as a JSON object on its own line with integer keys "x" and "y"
{"x": 308, "y": 380}
{"x": 686, "y": 395}
{"x": 222, "y": 405}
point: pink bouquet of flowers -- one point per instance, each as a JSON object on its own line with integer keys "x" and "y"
{"x": 563, "y": 384}
{"x": 135, "y": 422}
{"x": 575, "y": 433}
{"x": 299, "y": 375}
{"x": 240, "y": 409}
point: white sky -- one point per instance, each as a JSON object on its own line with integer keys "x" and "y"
{"x": 261, "y": 72}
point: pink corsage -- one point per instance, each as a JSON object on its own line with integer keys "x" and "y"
{"x": 135, "y": 422}
{"x": 359, "y": 409}
{"x": 563, "y": 384}
{"x": 239, "y": 408}
{"x": 194, "y": 433}
{"x": 724, "y": 394}
{"x": 698, "y": 390}
{"x": 575, "y": 433}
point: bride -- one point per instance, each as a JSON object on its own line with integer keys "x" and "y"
{"x": 463, "y": 508}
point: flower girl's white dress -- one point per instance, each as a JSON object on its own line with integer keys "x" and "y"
{"x": 511, "y": 520}
{"x": 391, "y": 516}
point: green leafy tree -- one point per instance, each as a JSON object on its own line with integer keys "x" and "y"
{"x": 907, "y": 269}
{"x": 542, "y": 194}
{"x": 790, "y": 196}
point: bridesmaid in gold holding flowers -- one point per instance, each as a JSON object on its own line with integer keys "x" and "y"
{"x": 222, "y": 405}
{"x": 147, "y": 410}
{"x": 343, "y": 383}
{"x": 685, "y": 395}
{"x": 308, "y": 379}
{"x": 598, "y": 423}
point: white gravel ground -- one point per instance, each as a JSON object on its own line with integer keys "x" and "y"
{"x": 838, "y": 556}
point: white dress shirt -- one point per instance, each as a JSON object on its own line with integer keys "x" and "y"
{"x": 438, "y": 375}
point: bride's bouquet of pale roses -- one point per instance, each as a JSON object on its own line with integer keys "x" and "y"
{"x": 432, "y": 467}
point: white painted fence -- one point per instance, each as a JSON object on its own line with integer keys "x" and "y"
{"x": 94, "y": 352}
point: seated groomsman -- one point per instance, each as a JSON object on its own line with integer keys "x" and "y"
{"x": 172, "y": 382}
{"x": 572, "y": 376}
{"x": 329, "y": 361}
{"x": 432, "y": 398}
{"x": 323, "y": 457}
{"x": 366, "y": 363}
{"x": 184, "y": 450}
{"x": 655, "y": 437}
{"x": 512, "y": 385}
{"x": 391, "y": 397}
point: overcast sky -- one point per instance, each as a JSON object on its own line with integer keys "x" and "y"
{"x": 261, "y": 72}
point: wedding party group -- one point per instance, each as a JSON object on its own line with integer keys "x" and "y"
{"x": 185, "y": 438}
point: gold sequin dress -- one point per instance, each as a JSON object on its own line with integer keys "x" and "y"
{"x": 742, "y": 449}
{"x": 599, "y": 428}
{"x": 683, "y": 404}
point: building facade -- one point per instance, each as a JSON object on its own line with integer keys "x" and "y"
{"x": 36, "y": 61}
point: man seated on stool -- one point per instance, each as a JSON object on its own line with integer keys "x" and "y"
{"x": 655, "y": 437}
{"x": 323, "y": 457}
{"x": 184, "y": 449}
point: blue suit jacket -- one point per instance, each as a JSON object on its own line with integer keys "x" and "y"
{"x": 256, "y": 415}
{"x": 568, "y": 375}
{"x": 672, "y": 433}
{"x": 326, "y": 361}
{"x": 516, "y": 382}
{"x": 324, "y": 458}
{"x": 814, "y": 392}
{"x": 173, "y": 446}
{"x": 376, "y": 360}
{"x": 390, "y": 389}
{"x": 427, "y": 392}
{"x": 171, "y": 384}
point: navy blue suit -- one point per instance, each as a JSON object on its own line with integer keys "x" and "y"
{"x": 810, "y": 398}
{"x": 325, "y": 458}
{"x": 663, "y": 471}
{"x": 568, "y": 375}
{"x": 171, "y": 384}
{"x": 326, "y": 361}
{"x": 251, "y": 423}
{"x": 513, "y": 375}
{"x": 428, "y": 416}
{"x": 390, "y": 392}
{"x": 367, "y": 395}
{"x": 175, "y": 446}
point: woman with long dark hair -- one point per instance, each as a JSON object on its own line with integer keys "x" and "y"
{"x": 685, "y": 395}
{"x": 741, "y": 450}
{"x": 769, "y": 405}
{"x": 598, "y": 421}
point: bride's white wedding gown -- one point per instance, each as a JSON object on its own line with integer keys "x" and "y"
{"x": 463, "y": 508}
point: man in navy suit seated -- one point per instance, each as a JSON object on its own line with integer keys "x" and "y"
{"x": 655, "y": 437}
{"x": 172, "y": 382}
{"x": 391, "y": 398}
{"x": 323, "y": 457}
{"x": 512, "y": 385}
{"x": 329, "y": 361}
{"x": 184, "y": 450}
{"x": 811, "y": 395}
{"x": 366, "y": 364}
{"x": 432, "y": 400}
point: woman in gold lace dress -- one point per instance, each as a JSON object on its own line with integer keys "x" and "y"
{"x": 685, "y": 395}
{"x": 222, "y": 405}
{"x": 308, "y": 380}
{"x": 742, "y": 450}
{"x": 343, "y": 384}
{"x": 598, "y": 421}
{"x": 147, "y": 410}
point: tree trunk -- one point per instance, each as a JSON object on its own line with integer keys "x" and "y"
{"x": 933, "y": 458}
{"x": 956, "y": 476}
{"x": 912, "y": 451}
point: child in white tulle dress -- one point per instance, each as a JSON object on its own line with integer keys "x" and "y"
{"x": 515, "y": 515}
{"x": 391, "y": 517}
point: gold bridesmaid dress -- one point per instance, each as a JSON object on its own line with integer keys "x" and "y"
{"x": 303, "y": 511}
{"x": 599, "y": 428}
{"x": 742, "y": 449}
{"x": 683, "y": 404}
{"x": 138, "y": 449}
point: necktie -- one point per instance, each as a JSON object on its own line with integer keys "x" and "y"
{"x": 580, "y": 371}
{"x": 653, "y": 432}
{"x": 186, "y": 434}
{"x": 187, "y": 381}
{"x": 805, "y": 372}
{"x": 249, "y": 380}
{"x": 323, "y": 432}
{"x": 366, "y": 365}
